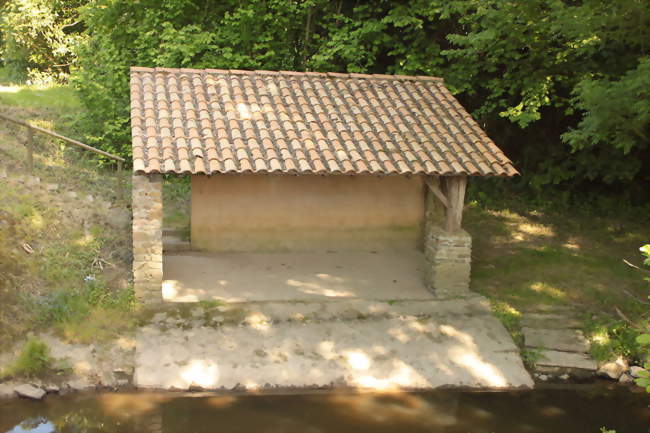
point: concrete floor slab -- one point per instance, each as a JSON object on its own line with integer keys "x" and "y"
{"x": 423, "y": 345}
{"x": 239, "y": 277}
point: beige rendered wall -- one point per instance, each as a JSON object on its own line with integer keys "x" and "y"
{"x": 293, "y": 213}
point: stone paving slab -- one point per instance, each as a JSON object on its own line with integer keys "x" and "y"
{"x": 550, "y": 321}
{"x": 555, "y": 359}
{"x": 566, "y": 340}
{"x": 376, "y": 352}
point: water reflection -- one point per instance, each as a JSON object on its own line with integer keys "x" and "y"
{"x": 578, "y": 409}
{"x": 34, "y": 425}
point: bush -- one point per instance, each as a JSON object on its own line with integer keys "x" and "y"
{"x": 34, "y": 359}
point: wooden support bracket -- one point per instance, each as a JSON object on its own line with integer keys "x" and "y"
{"x": 435, "y": 189}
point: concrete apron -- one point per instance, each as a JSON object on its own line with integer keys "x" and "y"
{"x": 421, "y": 344}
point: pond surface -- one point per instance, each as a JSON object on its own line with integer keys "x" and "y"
{"x": 556, "y": 409}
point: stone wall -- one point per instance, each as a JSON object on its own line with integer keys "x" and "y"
{"x": 448, "y": 254}
{"x": 147, "y": 237}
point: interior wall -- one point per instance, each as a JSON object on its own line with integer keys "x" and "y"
{"x": 308, "y": 212}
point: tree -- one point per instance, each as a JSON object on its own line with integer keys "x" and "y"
{"x": 39, "y": 36}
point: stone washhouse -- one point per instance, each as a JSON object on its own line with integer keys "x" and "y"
{"x": 306, "y": 162}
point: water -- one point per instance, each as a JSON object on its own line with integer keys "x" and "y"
{"x": 571, "y": 409}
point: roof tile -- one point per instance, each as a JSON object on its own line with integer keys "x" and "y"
{"x": 221, "y": 121}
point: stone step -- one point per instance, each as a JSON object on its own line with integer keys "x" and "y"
{"x": 175, "y": 244}
{"x": 342, "y": 309}
{"x": 550, "y": 321}
{"x": 174, "y": 232}
{"x": 566, "y": 340}
{"x": 555, "y": 361}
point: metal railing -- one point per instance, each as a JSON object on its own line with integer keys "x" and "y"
{"x": 29, "y": 144}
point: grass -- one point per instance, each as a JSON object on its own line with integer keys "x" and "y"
{"x": 528, "y": 259}
{"x": 510, "y": 318}
{"x": 52, "y": 97}
{"x": 52, "y": 106}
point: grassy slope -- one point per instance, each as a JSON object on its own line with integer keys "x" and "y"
{"x": 526, "y": 260}
{"x": 69, "y": 234}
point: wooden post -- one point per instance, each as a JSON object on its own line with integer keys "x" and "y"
{"x": 455, "y": 192}
{"x": 29, "y": 144}
{"x": 120, "y": 181}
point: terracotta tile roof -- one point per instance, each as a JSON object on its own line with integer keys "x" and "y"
{"x": 230, "y": 121}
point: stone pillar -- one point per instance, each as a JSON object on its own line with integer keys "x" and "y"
{"x": 448, "y": 254}
{"x": 147, "y": 238}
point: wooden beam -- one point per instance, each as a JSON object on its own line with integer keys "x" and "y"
{"x": 60, "y": 137}
{"x": 435, "y": 189}
{"x": 455, "y": 187}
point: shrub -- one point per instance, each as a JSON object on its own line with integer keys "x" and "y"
{"x": 34, "y": 359}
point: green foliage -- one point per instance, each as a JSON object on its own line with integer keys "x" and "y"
{"x": 611, "y": 338}
{"x": 555, "y": 67}
{"x": 617, "y": 114}
{"x": 645, "y": 250}
{"x": 34, "y": 359}
{"x": 39, "y": 37}
{"x": 644, "y": 376}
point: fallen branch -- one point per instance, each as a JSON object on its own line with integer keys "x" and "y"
{"x": 632, "y": 265}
